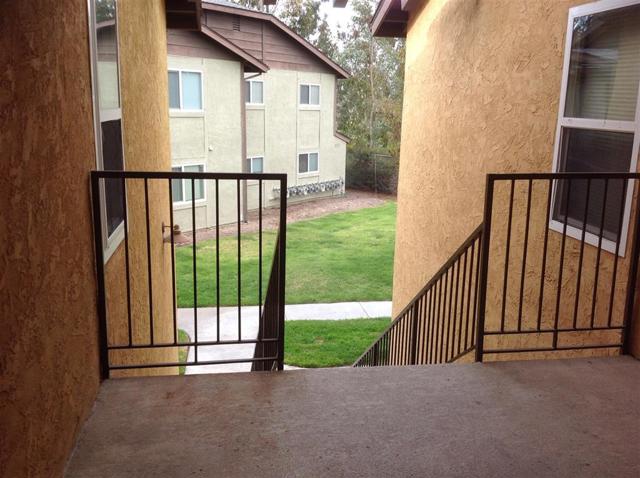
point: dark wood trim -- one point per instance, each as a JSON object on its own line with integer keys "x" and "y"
{"x": 390, "y": 20}
{"x": 235, "y": 49}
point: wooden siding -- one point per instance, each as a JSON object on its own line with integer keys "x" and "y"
{"x": 265, "y": 42}
{"x": 195, "y": 44}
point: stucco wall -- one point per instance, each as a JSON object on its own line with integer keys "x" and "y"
{"x": 144, "y": 95}
{"x": 282, "y": 128}
{"x": 212, "y": 137}
{"x": 482, "y": 88}
{"x": 49, "y": 372}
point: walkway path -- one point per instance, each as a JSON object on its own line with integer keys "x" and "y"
{"x": 208, "y": 328}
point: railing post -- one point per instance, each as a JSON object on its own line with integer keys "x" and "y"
{"x": 484, "y": 265}
{"x": 101, "y": 298}
{"x": 414, "y": 333}
{"x": 631, "y": 283}
{"x": 282, "y": 270}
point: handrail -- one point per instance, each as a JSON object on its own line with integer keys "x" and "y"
{"x": 425, "y": 330}
{"x": 425, "y": 308}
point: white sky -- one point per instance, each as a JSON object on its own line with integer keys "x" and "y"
{"x": 336, "y": 16}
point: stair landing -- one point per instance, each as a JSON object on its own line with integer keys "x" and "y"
{"x": 568, "y": 418}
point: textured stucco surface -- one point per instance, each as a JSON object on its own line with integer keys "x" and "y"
{"x": 48, "y": 341}
{"x": 482, "y": 87}
{"x": 561, "y": 418}
{"x": 143, "y": 79}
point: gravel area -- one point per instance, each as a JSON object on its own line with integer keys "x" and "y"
{"x": 351, "y": 201}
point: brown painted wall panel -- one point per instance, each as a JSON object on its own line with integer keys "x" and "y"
{"x": 482, "y": 87}
{"x": 195, "y": 44}
{"x": 258, "y": 36}
{"x": 49, "y": 372}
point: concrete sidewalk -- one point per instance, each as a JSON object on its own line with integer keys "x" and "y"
{"x": 248, "y": 329}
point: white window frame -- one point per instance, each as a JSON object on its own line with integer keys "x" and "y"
{"x": 593, "y": 124}
{"x": 308, "y": 173}
{"x": 251, "y": 158}
{"x": 181, "y": 108}
{"x": 249, "y": 101}
{"x": 310, "y": 105}
{"x": 111, "y": 241}
{"x": 185, "y": 181}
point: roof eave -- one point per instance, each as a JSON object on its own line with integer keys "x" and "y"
{"x": 390, "y": 19}
{"x": 246, "y": 57}
{"x": 337, "y": 69}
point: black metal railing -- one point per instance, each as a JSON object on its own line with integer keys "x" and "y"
{"x": 557, "y": 272}
{"x": 146, "y": 270}
{"x": 439, "y": 324}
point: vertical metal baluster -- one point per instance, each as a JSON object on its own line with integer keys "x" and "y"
{"x": 150, "y": 280}
{"x": 173, "y": 264}
{"x": 195, "y": 274}
{"x": 260, "y": 318}
{"x": 469, "y": 287}
{"x": 444, "y": 314}
{"x": 239, "y": 261}
{"x": 524, "y": 255}
{"x": 438, "y": 321}
{"x": 464, "y": 278}
{"x": 617, "y": 253}
{"x": 579, "y": 277}
{"x": 456, "y": 265}
{"x": 600, "y": 234}
{"x": 217, "y": 260}
{"x": 543, "y": 268}
{"x": 631, "y": 284}
{"x": 560, "y": 270}
{"x": 126, "y": 258}
{"x": 506, "y": 260}
{"x": 483, "y": 264}
{"x": 103, "y": 340}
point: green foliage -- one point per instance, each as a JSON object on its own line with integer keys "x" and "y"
{"x": 370, "y": 170}
{"x": 329, "y": 343}
{"x": 370, "y": 101}
{"x": 340, "y": 257}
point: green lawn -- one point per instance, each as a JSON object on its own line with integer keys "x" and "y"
{"x": 183, "y": 352}
{"x": 341, "y": 257}
{"x": 329, "y": 343}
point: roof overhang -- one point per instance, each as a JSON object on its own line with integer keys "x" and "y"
{"x": 337, "y": 69}
{"x": 392, "y": 17}
{"x": 251, "y": 62}
{"x": 183, "y": 14}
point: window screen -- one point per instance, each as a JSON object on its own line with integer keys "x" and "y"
{"x": 174, "y": 90}
{"x": 113, "y": 161}
{"x": 604, "y": 67}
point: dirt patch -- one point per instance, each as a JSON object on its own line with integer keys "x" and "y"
{"x": 351, "y": 201}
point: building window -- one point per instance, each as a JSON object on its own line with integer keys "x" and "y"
{"x": 256, "y": 164}
{"x": 181, "y": 188}
{"x": 185, "y": 90}
{"x": 254, "y": 92}
{"x": 307, "y": 163}
{"x": 108, "y": 117}
{"x": 310, "y": 95}
{"x": 598, "y": 125}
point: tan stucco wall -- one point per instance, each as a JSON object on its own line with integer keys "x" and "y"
{"x": 49, "y": 372}
{"x": 144, "y": 96}
{"x": 482, "y": 87}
